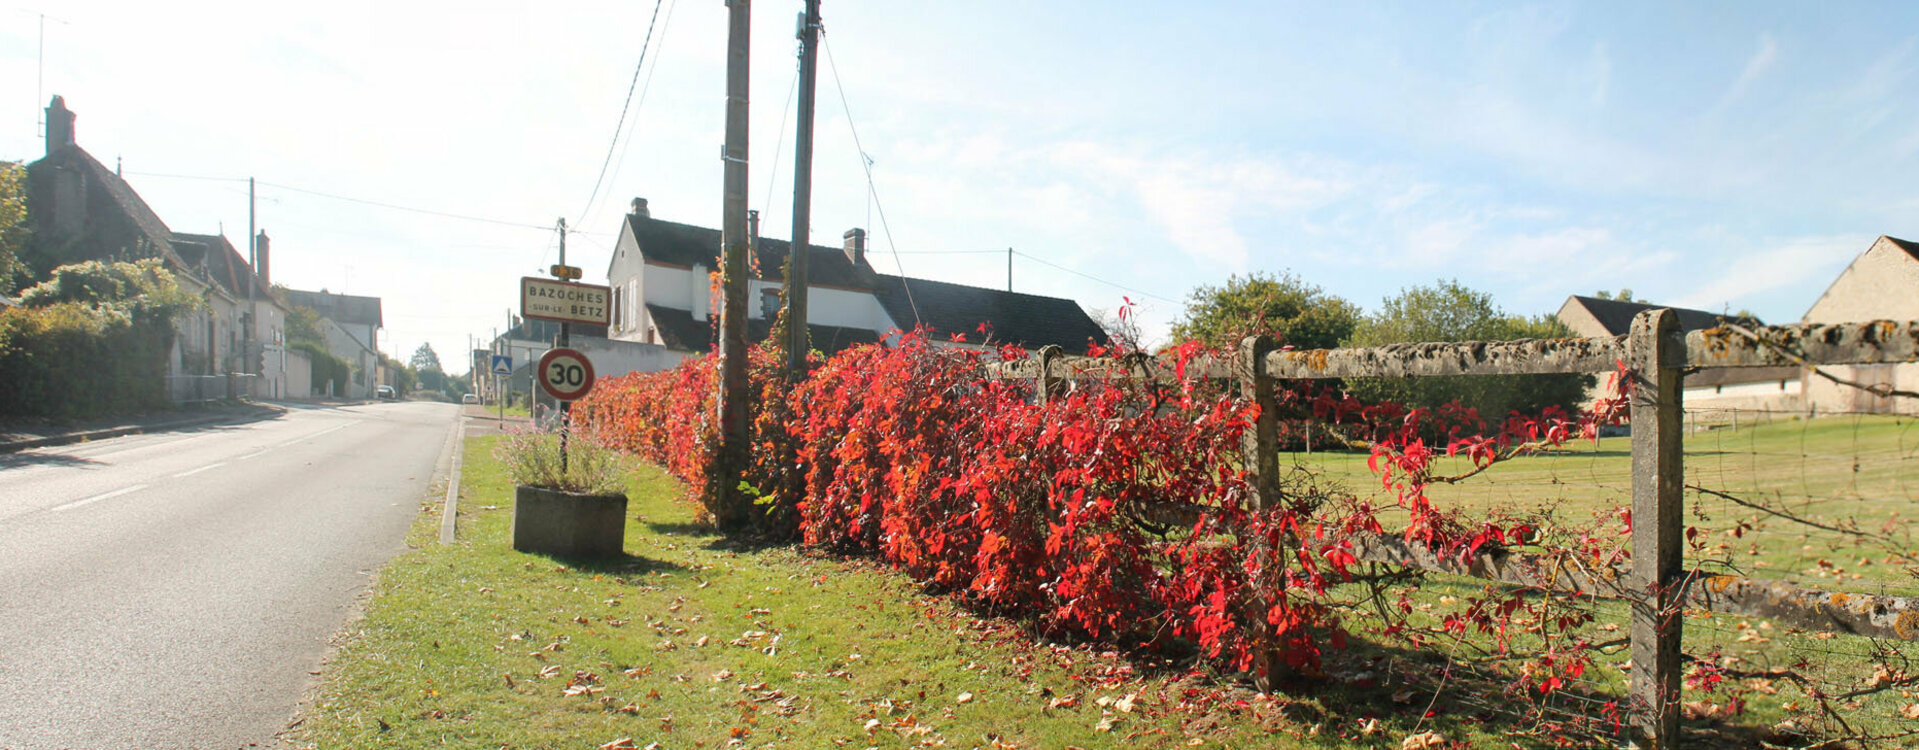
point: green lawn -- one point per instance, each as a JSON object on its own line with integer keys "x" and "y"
{"x": 1855, "y": 472}
{"x": 695, "y": 643}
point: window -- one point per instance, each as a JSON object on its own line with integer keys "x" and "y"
{"x": 769, "y": 303}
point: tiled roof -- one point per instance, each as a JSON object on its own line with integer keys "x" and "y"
{"x": 339, "y": 308}
{"x": 97, "y": 176}
{"x": 222, "y": 262}
{"x": 688, "y": 245}
{"x": 1029, "y": 320}
{"x": 1616, "y": 316}
{"x": 678, "y": 330}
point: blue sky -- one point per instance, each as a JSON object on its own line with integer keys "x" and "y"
{"x": 1724, "y": 156}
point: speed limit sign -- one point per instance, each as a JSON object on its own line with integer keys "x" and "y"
{"x": 566, "y": 374}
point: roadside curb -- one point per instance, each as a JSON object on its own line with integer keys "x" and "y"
{"x": 14, "y": 446}
{"x": 449, "y": 510}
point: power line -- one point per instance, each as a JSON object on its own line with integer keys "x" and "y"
{"x": 867, "y": 164}
{"x": 645, "y": 88}
{"x": 779, "y": 146}
{"x": 624, "y": 106}
{"x": 397, "y": 207}
{"x": 349, "y": 199}
{"x": 1121, "y": 287}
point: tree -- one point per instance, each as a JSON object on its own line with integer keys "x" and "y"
{"x": 425, "y": 359}
{"x": 1623, "y": 295}
{"x": 1285, "y": 307}
{"x": 1448, "y": 311}
{"x": 303, "y": 324}
{"x": 1121, "y": 324}
{"x": 13, "y": 224}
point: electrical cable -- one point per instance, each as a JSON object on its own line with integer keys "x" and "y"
{"x": 624, "y": 107}
{"x": 779, "y": 146}
{"x": 619, "y": 164}
{"x": 867, "y": 164}
{"x": 398, "y": 207}
{"x": 1120, "y": 287}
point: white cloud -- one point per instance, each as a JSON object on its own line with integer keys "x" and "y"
{"x": 1787, "y": 263}
{"x": 1757, "y": 65}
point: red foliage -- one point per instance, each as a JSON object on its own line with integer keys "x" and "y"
{"x": 1056, "y": 510}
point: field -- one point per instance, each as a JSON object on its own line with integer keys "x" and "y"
{"x": 1857, "y": 476}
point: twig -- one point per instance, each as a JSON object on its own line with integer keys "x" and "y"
{"x": 1882, "y": 390}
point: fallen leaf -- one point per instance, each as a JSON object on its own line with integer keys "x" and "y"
{"x": 964, "y": 698}
{"x": 623, "y": 743}
{"x": 1423, "y": 741}
{"x": 1125, "y": 705}
{"x": 1911, "y": 711}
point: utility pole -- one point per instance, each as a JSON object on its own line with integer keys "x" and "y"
{"x": 798, "y": 341}
{"x": 728, "y": 504}
{"x": 566, "y": 340}
{"x": 253, "y": 273}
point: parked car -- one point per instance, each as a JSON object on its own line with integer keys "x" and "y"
{"x": 469, "y": 398}
{"x": 385, "y": 392}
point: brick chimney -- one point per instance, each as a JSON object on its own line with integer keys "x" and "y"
{"x": 260, "y": 259}
{"x": 639, "y": 209}
{"x": 59, "y": 125}
{"x": 856, "y": 245}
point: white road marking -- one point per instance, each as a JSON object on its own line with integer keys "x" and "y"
{"x": 260, "y": 452}
{"x": 214, "y": 465}
{"x": 317, "y": 434}
{"x": 99, "y": 497}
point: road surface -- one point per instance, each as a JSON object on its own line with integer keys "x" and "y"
{"x": 175, "y": 590}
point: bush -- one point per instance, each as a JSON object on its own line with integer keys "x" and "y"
{"x": 92, "y": 340}
{"x": 532, "y": 458}
{"x": 908, "y": 454}
{"x": 325, "y": 366}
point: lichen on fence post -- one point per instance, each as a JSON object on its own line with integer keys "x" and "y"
{"x": 1259, "y": 455}
{"x": 1656, "y": 354}
{"x": 1048, "y": 382}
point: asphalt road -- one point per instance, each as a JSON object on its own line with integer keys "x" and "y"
{"x": 175, "y": 590}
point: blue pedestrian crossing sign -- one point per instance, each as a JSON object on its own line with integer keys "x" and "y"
{"x": 502, "y": 364}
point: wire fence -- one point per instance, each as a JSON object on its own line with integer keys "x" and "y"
{"x": 1766, "y": 590}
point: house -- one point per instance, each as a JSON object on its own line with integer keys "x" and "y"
{"x": 1711, "y": 395}
{"x": 254, "y": 312}
{"x": 663, "y": 296}
{"x": 83, "y": 211}
{"x": 1881, "y": 284}
{"x": 351, "y": 331}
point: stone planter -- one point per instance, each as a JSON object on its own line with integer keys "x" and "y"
{"x": 565, "y": 524}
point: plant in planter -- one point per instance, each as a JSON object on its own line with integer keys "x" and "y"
{"x": 573, "y": 507}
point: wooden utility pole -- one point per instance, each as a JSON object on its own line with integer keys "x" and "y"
{"x": 730, "y": 507}
{"x": 798, "y": 342}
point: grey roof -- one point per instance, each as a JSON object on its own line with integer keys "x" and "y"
{"x": 100, "y": 181}
{"x": 1616, "y": 316}
{"x": 688, "y": 245}
{"x": 1028, "y": 320}
{"x": 339, "y": 308}
{"x": 678, "y": 330}
{"x": 217, "y": 256}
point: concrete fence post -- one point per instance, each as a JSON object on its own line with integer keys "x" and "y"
{"x": 1259, "y": 455}
{"x": 1049, "y": 383}
{"x": 1657, "y": 355}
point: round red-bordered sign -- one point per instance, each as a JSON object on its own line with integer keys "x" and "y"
{"x": 565, "y": 374}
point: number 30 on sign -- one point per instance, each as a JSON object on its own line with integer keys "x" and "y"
{"x": 566, "y": 374}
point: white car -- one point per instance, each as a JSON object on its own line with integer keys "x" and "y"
{"x": 469, "y": 398}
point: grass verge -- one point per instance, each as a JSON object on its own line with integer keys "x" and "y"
{"x": 695, "y": 643}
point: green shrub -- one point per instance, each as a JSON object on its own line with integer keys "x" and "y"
{"x": 325, "y": 366}
{"x": 92, "y": 340}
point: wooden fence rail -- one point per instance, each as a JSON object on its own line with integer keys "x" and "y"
{"x": 1654, "y": 581}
